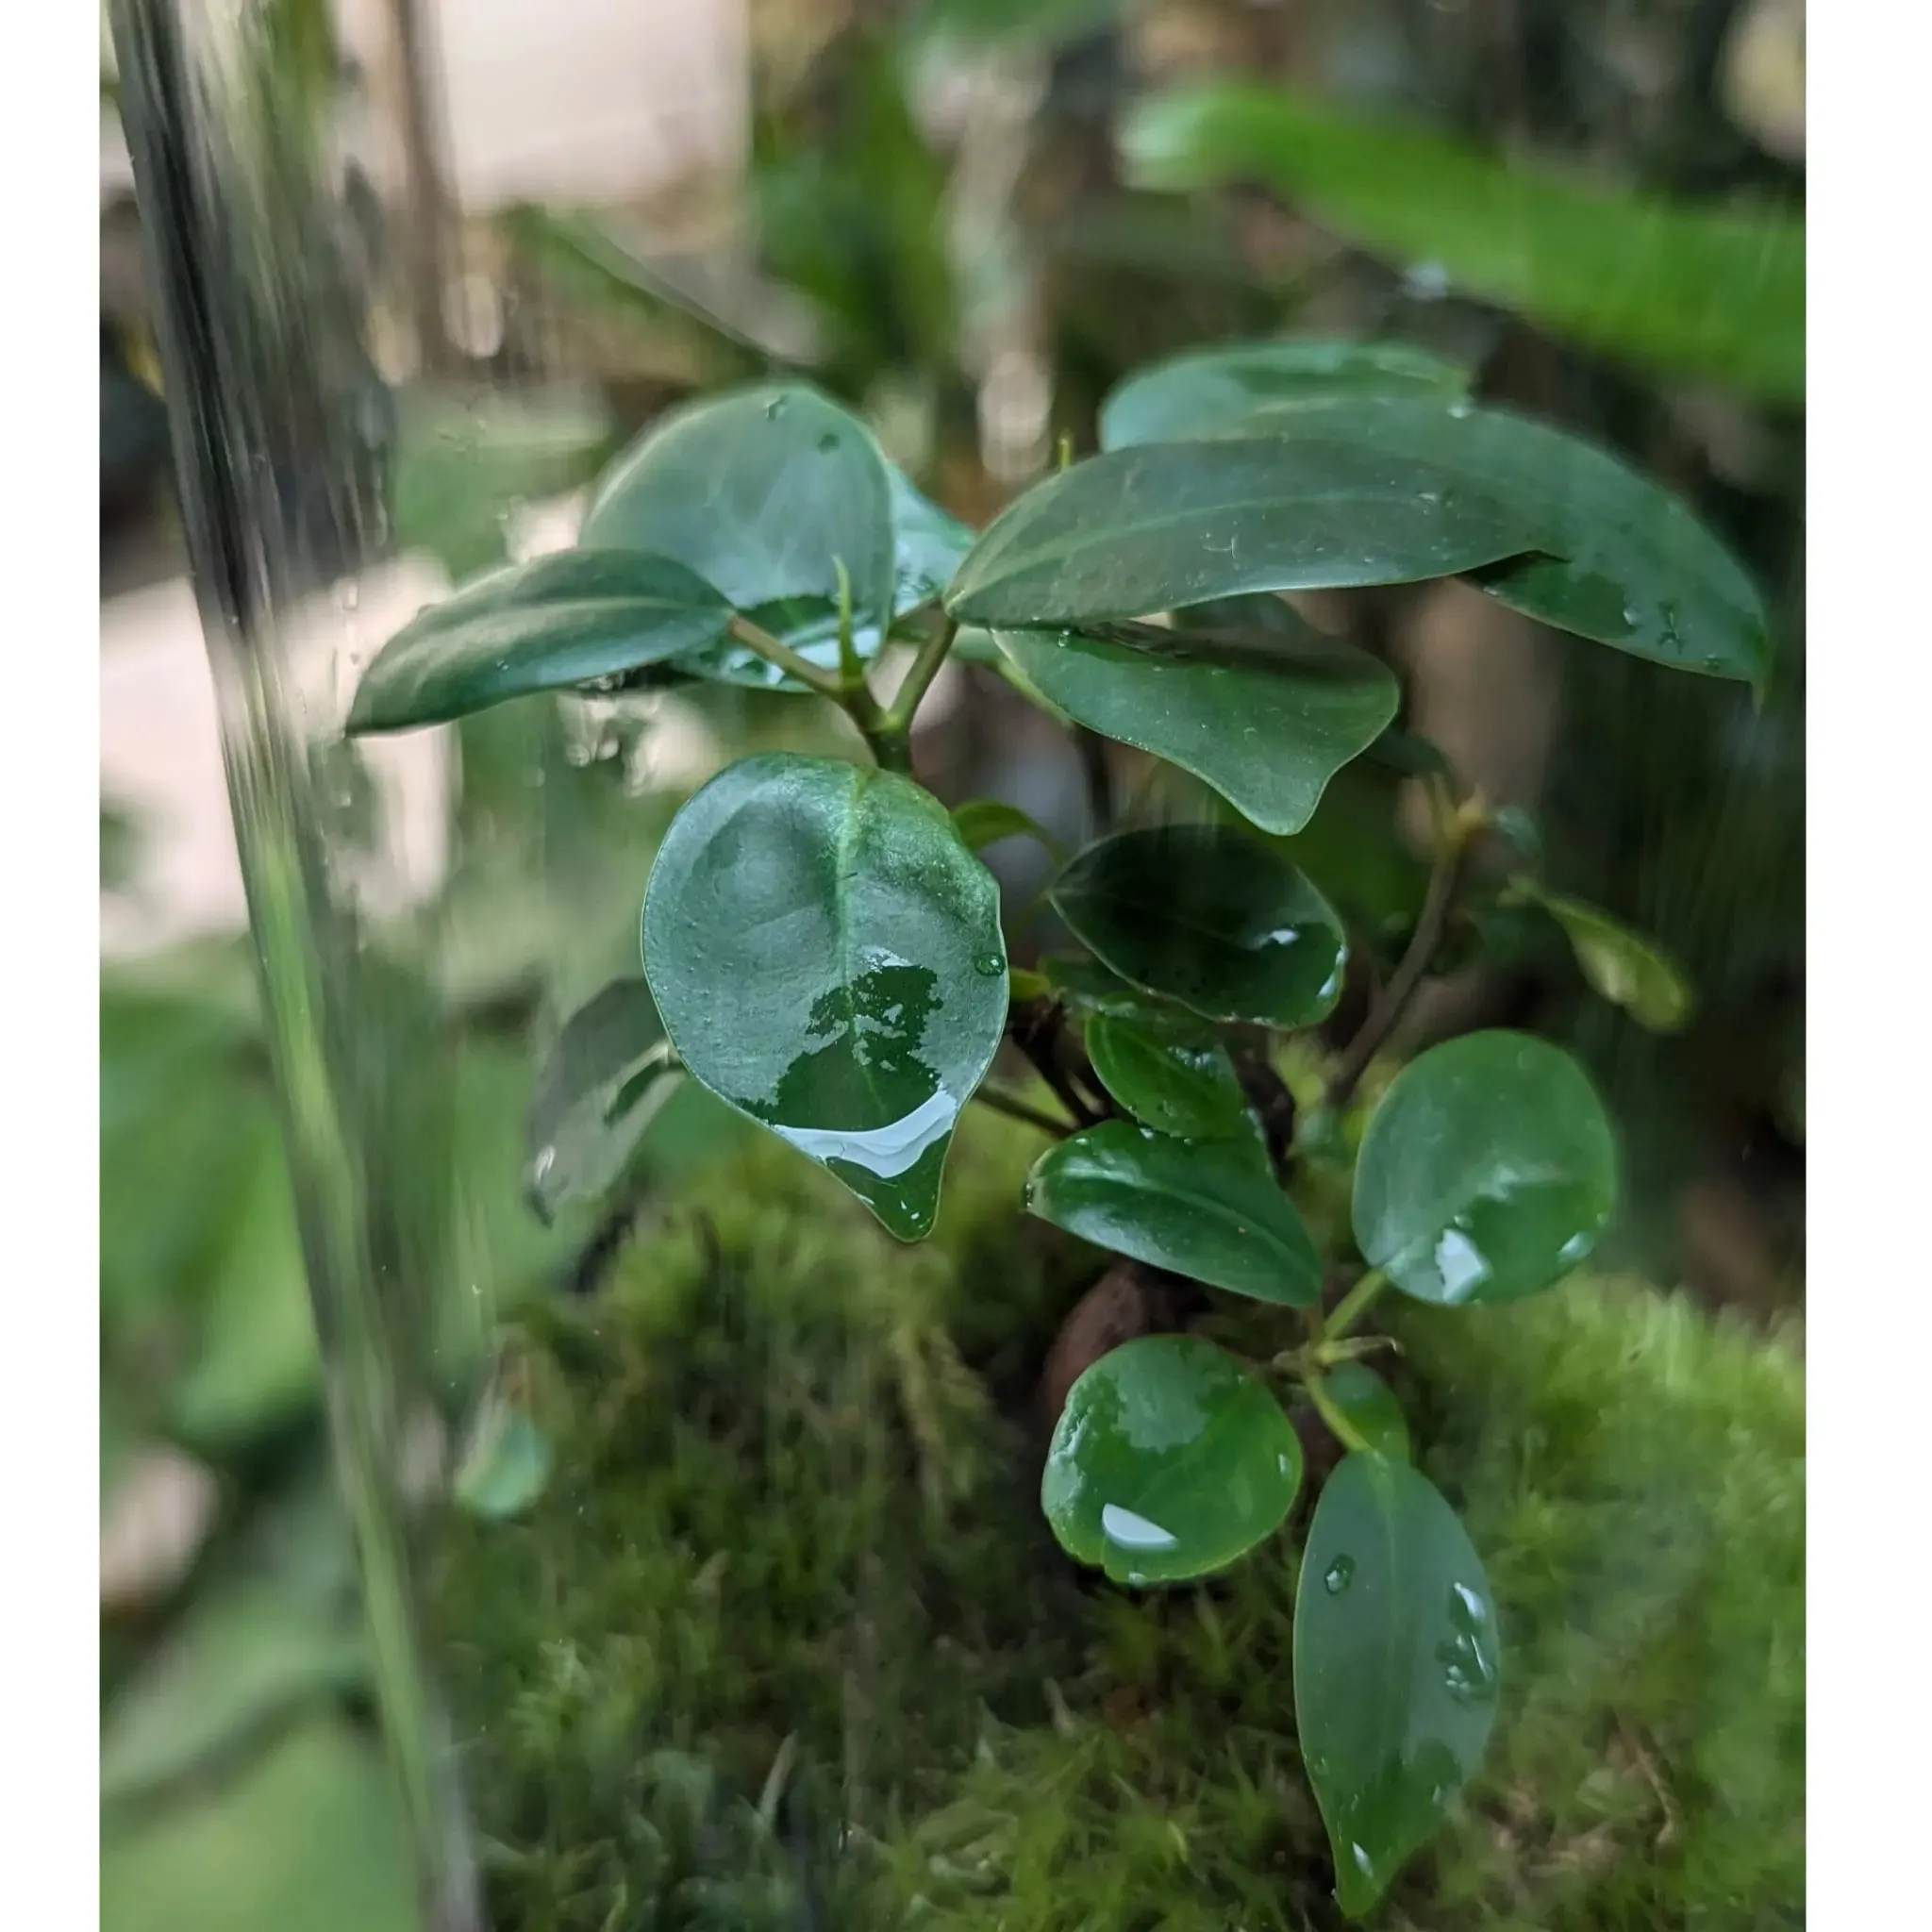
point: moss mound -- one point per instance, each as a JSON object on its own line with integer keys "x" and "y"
{"x": 784, "y": 1643}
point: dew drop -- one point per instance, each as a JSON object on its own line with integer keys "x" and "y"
{"x": 990, "y": 965}
{"x": 775, "y": 410}
{"x": 1339, "y": 1575}
{"x": 826, "y": 442}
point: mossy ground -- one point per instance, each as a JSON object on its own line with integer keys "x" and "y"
{"x": 789, "y": 1584}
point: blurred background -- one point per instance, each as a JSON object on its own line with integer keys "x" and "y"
{"x": 968, "y": 219}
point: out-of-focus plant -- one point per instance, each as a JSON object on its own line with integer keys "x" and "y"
{"x": 823, "y": 949}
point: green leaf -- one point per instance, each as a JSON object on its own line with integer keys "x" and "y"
{"x": 1621, "y": 966}
{"x": 1370, "y": 1405}
{"x": 1679, "y": 287}
{"x": 603, "y": 1081}
{"x": 310, "y": 1840}
{"x": 1397, "y": 1667}
{"x": 1088, "y": 983}
{"x": 1173, "y": 1081}
{"x": 1212, "y": 390}
{"x": 562, "y": 621}
{"x": 762, "y": 492}
{"x": 827, "y": 956}
{"x": 1168, "y": 1462}
{"x": 239, "y": 1662}
{"x": 1141, "y": 530}
{"x": 1209, "y": 916}
{"x": 1266, "y": 729}
{"x": 1202, "y": 1209}
{"x": 983, "y": 822}
{"x": 1624, "y": 562}
{"x": 1487, "y": 1171}
{"x": 506, "y": 1464}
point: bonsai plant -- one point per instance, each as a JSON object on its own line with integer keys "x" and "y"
{"x": 824, "y": 949}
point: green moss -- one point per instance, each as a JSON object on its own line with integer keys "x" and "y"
{"x": 791, "y": 1572}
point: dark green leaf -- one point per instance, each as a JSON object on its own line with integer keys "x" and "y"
{"x": 1267, "y": 733}
{"x": 1208, "y": 390}
{"x": 1202, "y": 1209}
{"x": 1175, "y": 1082}
{"x": 1169, "y": 1460}
{"x": 983, "y": 822}
{"x": 1397, "y": 1667}
{"x": 1088, "y": 983}
{"x": 1625, "y": 563}
{"x": 1487, "y": 1171}
{"x": 1689, "y": 289}
{"x": 827, "y": 956}
{"x": 1621, "y": 966}
{"x": 1151, "y": 529}
{"x": 564, "y": 620}
{"x": 590, "y": 1108}
{"x": 1408, "y": 755}
{"x": 1209, "y": 916}
{"x": 1350, "y": 850}
{"x": 1370, "y": 1405}
{"x": 762, "y": 492}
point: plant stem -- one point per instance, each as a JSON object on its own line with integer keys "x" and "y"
{"x": 1339, "y": 1424}
{"x": 1097, "y": 775}
{"x": 1388, "y": 1008}
{"x": 1000, "y": 1101}
{"x": 774, "y": 651}
{"x": 924, "y": 668}
{"x": 1355, "y": 1304}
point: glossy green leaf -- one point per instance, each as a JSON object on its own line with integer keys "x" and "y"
{"x": 762, "y": 492}
{"x": 983, "y": 822}
{"x": 1211, "y": 917}
{"x": 1266, "y": 730}
{"x": 1141, "y": 530}
{"x": 1168, "y": 1462}
{"x": 605, "y": 1077}
{"x": 1212, "y": 390}
{"x": 1202, "y": 1209}
{"x": 1397, "y": 1667}
{"x": 1175, "y": 1082}
{"x": 1625, "y": 564}
{"x": 826, "y": 955}
{"x": 1621, "y": 966}
{"x": 564, "y": 620}
{"x": 1487, "y": 1171}
{"x": 1370, "y": 1405}
{"x": 1684, "y": 288}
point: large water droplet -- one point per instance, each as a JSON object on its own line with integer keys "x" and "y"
{"x": 1339, "y": 1575}
{"x": 990, "y": 965}
{"x": 1132, "y": 1532}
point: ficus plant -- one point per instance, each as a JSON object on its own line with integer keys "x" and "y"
{"x": 822, "y": 947}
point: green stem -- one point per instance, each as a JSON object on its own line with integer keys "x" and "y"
{"x": 774, "y": 651}
{"x": 1000, "y": 1101}
{"x": 1339, "y": 1424}
{"x": 1444, "y": 881}
{"x": 925, "y": 667}
{"x": 1355, "y": 1304}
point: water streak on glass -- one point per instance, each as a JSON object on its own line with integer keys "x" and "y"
{"x": 279, "y": 422}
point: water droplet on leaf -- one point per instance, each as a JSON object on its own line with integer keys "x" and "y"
{"x": 1339, "y": 1574}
